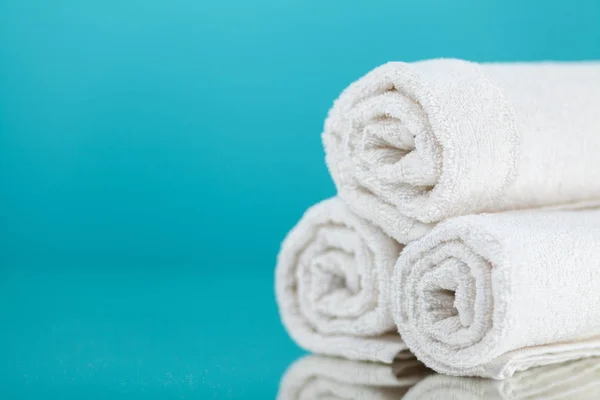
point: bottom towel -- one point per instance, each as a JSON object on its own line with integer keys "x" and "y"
{"x": 575, "y": 380}
{"x": 316, "y": 377}
{"x": 489, "y": 295}
{"x": 333, "y": 282}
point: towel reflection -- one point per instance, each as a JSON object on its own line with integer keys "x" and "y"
{"x": 315, "y": 377}
{"x": 320, "y": 377}
{"x": 575, "y": 380}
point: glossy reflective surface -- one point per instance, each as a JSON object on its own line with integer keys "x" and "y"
{"x": 111, "y": 333}
{"x": 320, "y": 377}
{"x": 117, "y": 331}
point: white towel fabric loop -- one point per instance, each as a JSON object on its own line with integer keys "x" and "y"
{"x": 411, "y": 144}
{"x": 332, "y": 282}
{"x": 488, "y": 295}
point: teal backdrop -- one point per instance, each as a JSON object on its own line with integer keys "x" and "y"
{"x": 153, "y": 154}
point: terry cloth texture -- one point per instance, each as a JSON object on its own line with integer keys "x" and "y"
{"x": 411, "y": 144}
{"x": 488, "y": 295}
{"x": 333, "y": 280}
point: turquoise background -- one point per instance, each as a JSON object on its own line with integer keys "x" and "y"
{"x": 153, "y": 153}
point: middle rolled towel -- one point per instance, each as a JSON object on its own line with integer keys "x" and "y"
{"x": 333, "y": 285}
{"x": 412, "y": 144}
{"x": 488, "y": 295}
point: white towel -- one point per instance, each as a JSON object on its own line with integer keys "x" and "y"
{"x": 315, "y": 377}
{"x": 576, "y": 380}
{"x": 411, "y": 144}
{"x": 332, "y": 284}
{"x": 488, "y": 295}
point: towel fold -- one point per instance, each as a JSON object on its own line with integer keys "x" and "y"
{"x": 315, "y": 377}
{"x": 332, "y": 285}
{"x": 576, "y": 380}
{"x": 488, "y": 295}
{"x": 411, "y": 144}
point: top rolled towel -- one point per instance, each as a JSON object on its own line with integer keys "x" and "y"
{"x": 411, "y": 144}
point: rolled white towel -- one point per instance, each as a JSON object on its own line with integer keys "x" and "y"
{"x": 315, "y": 377}
{"x": 332, "y": 284}
{"x": 411, "y": 144}
{"x": 488, "y": 295}
{"x": 575, "y": 380}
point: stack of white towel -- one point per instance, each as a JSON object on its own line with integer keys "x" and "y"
{"x": 466, "y": 226}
